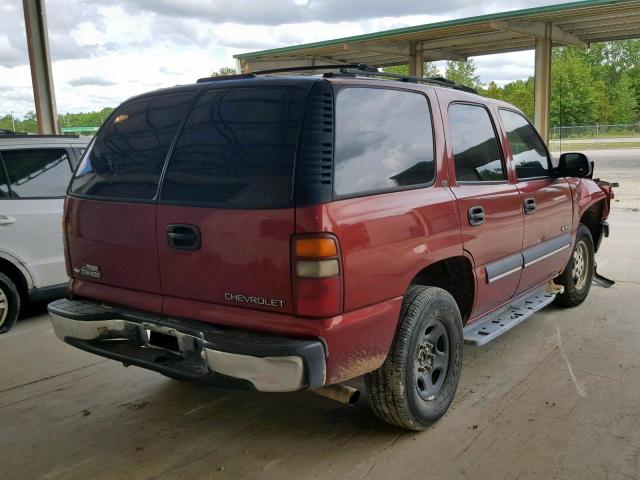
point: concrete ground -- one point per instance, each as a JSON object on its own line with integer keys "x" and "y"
{"x": 556, "y": 397}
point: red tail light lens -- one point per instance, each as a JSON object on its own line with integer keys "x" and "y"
{"x": 317, "y": 276}
{"x": 65, "y": 240}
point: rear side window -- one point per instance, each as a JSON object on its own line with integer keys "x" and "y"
{"x": 384, "y": 141}
{"x": 129, "y": 152}
{"x": 37, "y": 173}
{"x": 529, "y": 155}
{"x": 237, "y": 149}
{"x": 4, "y": 183}
{"x": 476, "y": 153}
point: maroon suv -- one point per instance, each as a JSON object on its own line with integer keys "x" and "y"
{"x": 286, "y": 233}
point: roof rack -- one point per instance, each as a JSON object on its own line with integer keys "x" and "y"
{"x": 238, "y": 76}
{"x": 439, "y": 81}
{"x": 235, "y": 76}
{"x": 351, "y": 69}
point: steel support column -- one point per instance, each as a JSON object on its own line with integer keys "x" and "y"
{"x": 412, "y": 58}
{"x": 35, "y": 20}
{"x": 543, "y": 83}
{"x": 419, "y": 63}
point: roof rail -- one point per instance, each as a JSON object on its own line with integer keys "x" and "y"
{"x": 439, "y": 81}
{"x": 352, "y": 69}
{"x": 235, "y": 76}
{"x": 358, "y": 66}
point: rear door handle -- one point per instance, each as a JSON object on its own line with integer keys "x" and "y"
{"x": 529, "y": 205}
{"x": 476, "y": 216}
{"x": 183, "y": 237}
{"x": 5, "y": 220}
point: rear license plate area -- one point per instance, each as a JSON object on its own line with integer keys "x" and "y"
{"x": 162, "y": 340}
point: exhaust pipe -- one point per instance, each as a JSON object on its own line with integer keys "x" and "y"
{"x": 339, "y": 393}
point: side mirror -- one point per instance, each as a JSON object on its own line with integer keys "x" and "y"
{"x": 575, "y": 165}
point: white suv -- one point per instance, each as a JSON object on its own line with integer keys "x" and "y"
{"x": 34, "y": 173}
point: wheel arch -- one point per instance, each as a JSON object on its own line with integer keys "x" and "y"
{"x": 455, "y": 275}
{"x": 591, "y": 217}
{"x": 17, "y": 274}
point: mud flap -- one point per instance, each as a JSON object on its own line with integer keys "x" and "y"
{"x": 600, "y": 280}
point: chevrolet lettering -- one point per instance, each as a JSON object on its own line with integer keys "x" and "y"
{"x": 237, "y": 297}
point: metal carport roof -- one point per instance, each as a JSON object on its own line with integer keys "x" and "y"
{"x": 577, "y": 23}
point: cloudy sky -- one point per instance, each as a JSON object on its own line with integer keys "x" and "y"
{"x": 105, "y": 51}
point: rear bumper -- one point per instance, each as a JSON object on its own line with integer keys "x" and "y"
{"x": 191, "y": 350}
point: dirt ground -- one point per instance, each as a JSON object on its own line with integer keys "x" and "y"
{"x": 556, "y": 397}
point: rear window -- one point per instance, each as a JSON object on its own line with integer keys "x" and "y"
{"x": 237, "y": 149}
{"x": 128, "y": 154}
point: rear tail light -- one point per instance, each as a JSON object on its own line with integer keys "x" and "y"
{"x": 65, "y": 240}
{"x": 317, "y": 276}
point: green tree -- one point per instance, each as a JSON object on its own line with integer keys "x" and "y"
{"x": 574, "y": 97}
{"x": 493, "y": 91}
{"x": 429, "y": 70}
{"x": 6, "y": 123}
{"x": 623, "y": 101}
{"x": 223, "y": 72}
{"x": 463, "y": 73}
{"x": 521, "y": 93}
{"x": 28, "y": 124}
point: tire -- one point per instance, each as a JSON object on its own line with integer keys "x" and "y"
{"x": 9, "y": 303}
{"x": 578, "y": 274}
{"x": 414, "y": 388}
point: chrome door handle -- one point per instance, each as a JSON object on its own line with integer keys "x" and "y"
{"x": 5, "y": 220}
{"x": 476, "y": 216}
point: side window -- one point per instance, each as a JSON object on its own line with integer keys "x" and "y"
{"x": 476, "y": 152}
{"x": 530, "y": 156}
{"x": 4, "y": 184}
{"x": 384, "y": 141}
{"x": 37, "y": 173}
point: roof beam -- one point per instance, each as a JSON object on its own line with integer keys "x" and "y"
{"x": 435, "y": 55}
{"x": 466, "y": 40}
{"x": 397, "y": 49}
{"x": 403, "y": 49}
{"x": 247, "y": 66}
{"x": 538, "y": 30}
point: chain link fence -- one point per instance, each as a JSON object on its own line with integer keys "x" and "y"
{"x": 629, "y": 130}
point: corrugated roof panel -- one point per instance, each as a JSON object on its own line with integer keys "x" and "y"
{"x": 590, "y": 20}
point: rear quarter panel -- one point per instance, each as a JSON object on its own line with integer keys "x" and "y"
{"x": 387, "y": 239}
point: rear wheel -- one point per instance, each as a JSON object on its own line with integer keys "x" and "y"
{"x": 417, "y": 382}
{"x": 9, "y": 303}
{"x": 578, "y": 274}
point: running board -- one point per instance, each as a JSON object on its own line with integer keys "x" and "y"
{"x": 496, "y": 323}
